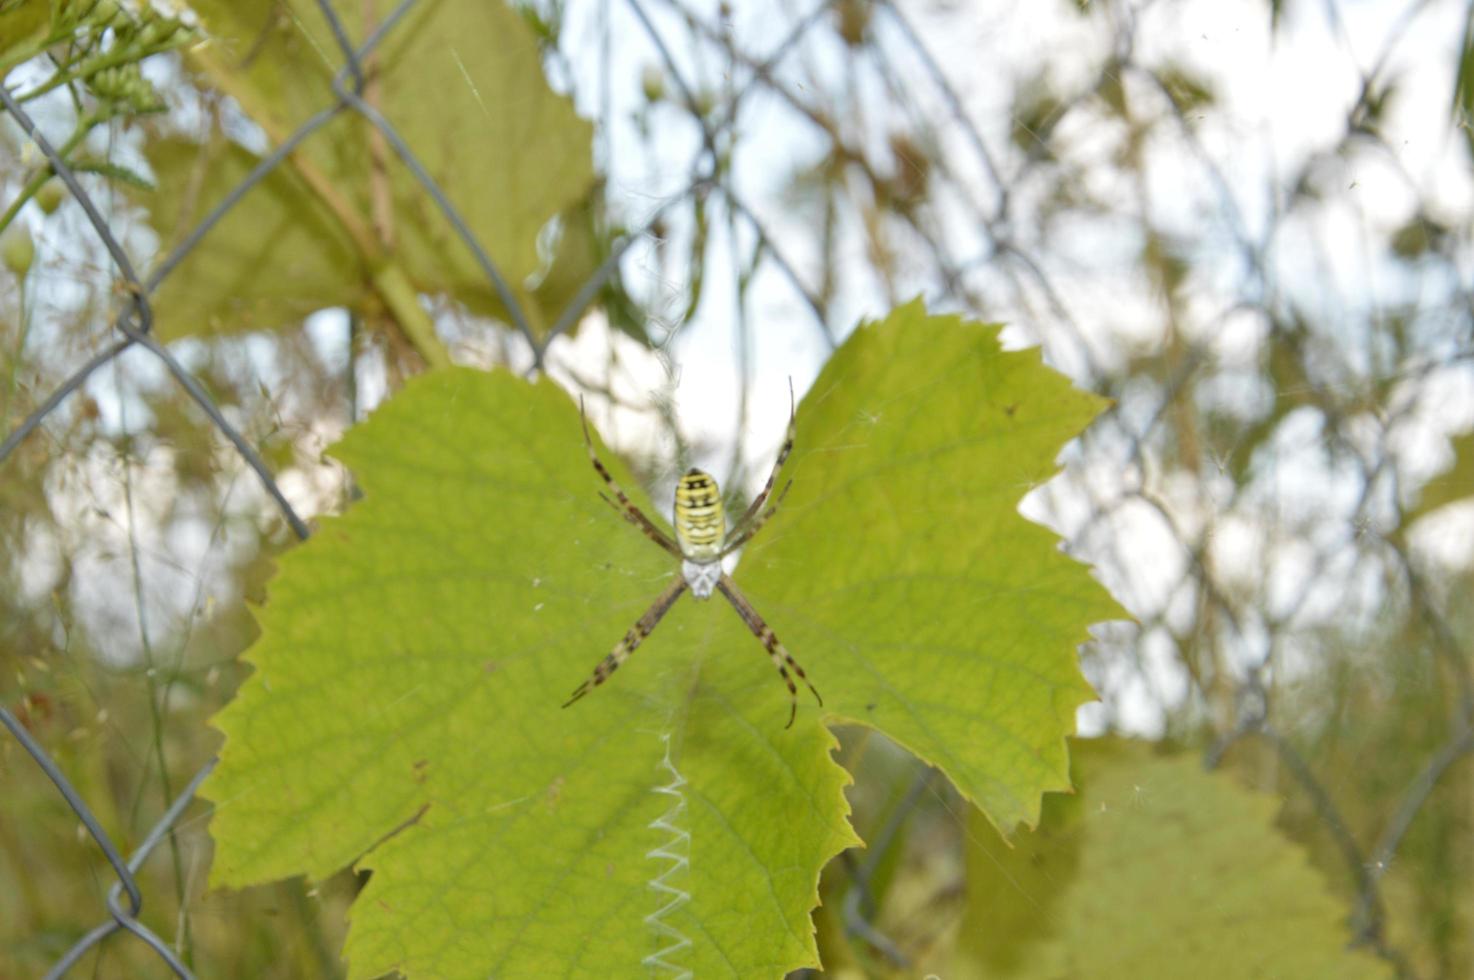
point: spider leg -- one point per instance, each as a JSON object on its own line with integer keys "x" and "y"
{"x": 636, "y": 635}
{"x": 781, "y": 657}
{"x": 741, "y": 538}
{"x": 631, "y": 513}
{"x": 757, "y": 502}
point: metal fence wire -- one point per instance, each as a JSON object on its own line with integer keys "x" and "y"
{"x": 1250, "y": 720}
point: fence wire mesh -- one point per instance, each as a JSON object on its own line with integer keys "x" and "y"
{"x": 978, "y": 208}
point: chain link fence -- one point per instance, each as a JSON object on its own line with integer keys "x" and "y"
{"x": 1262, "y": 574}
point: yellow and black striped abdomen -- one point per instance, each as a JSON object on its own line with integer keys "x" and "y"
{"x": 701, "y": 521}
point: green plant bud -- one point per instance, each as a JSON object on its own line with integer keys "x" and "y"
{"x": 158, "y": 31}
{"x": 101, "y": 13}
{"x": 17, "y": 250}
{"x": 652, "y": 81}
{"x": 105, "y": 83}
{"x": 50, "y": 196}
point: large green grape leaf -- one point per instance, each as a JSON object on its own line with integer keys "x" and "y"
{"x": 405, "y": 709}
{"x": 462, "y": 83}
{"x": 1154, "y": 865}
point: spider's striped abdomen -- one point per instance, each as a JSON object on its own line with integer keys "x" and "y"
{"x": 701, "y": 521}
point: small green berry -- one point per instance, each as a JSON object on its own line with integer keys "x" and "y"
{"x": 50, "y": 196}
{"x": 17, "y": 250}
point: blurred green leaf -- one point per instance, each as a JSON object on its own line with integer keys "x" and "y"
{"x": 580, "y": 248}
{"x": 1419, "y": 236}
{"x": 1111, "y": 88}
{"x": 1188, "y": 90}
{"x": 1164, "y": 262}
{"x": 1379, "y": 703}
{"x": 1037, "y": 108}
{"x": 1454, "y": 484}
{"x": 461, "y": 81}
{"x": 23, "y": 23}
{"x": 1154, "y": 866}
{"x": 1463, "y": 100}
{"x": 1283, "y": 362}
{"x": 272, "y": 260}
{"x": 415, "y": 653}
{"x": 852, "y": 21}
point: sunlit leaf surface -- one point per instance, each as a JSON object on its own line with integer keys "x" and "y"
{"x": 415, "y": 654}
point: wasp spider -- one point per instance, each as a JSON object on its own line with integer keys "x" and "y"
{"x": 702, "y": 541}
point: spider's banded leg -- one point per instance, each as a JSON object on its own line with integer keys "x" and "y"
{"x": 757, "y": 502}
{"x": 771, "y": 643}
{"x": 736, "y": 541}
{"x": 636, "y": 635}
{"x": 631, "y": 513}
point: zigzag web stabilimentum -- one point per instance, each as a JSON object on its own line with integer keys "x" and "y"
{"x": 674, "y": 854}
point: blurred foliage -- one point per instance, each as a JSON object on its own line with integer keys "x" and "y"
{"x": 1152, "y": 862}
{"x": 366, "y": 235}
{"x": 1454, "y": 484}
{"x": 268, "y": 264}
{"x": 1371, "y": 722}
{"x": 96, "y": 46}
{"x": 91, "y": 49}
